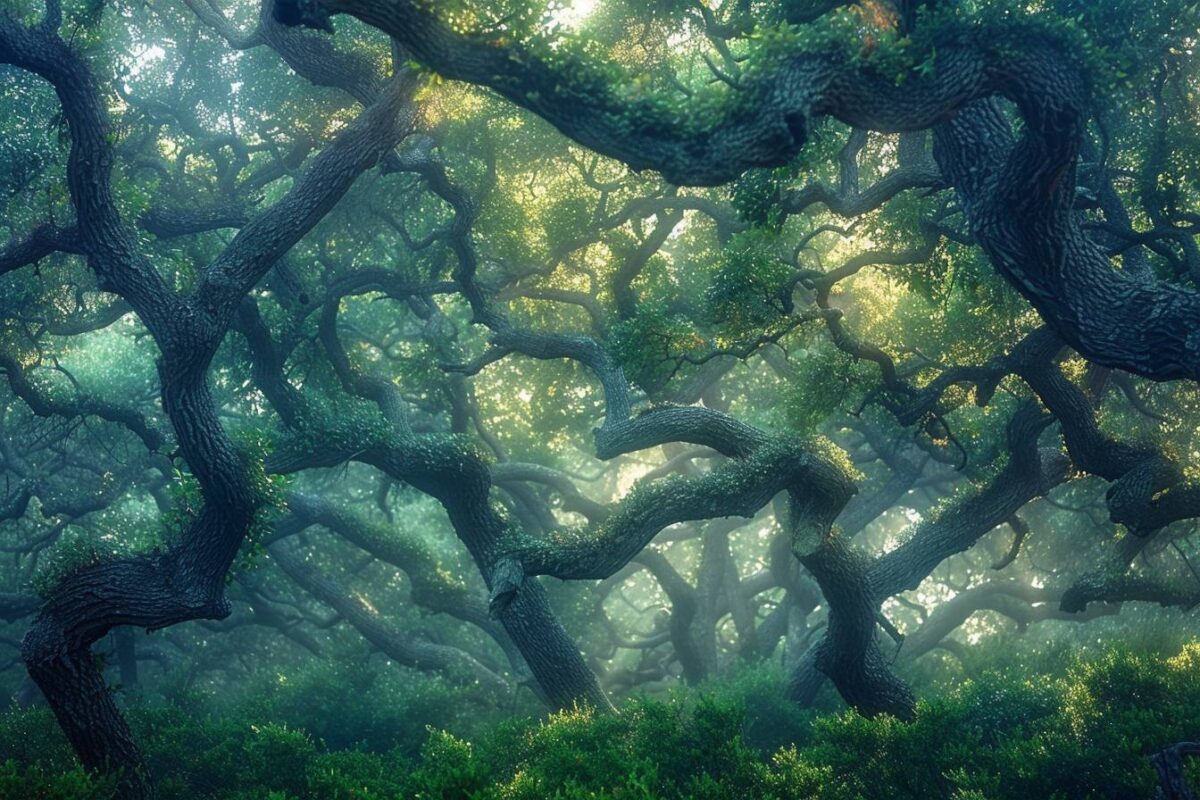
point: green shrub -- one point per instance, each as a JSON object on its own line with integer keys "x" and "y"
{"x": 1004, "y": 736}
{"x": 38, "y": 782}
{"x": 358, "y": 704}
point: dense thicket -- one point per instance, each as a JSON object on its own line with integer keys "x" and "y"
{"x": 826, "y": 341}
{"x": 1008, "y": 734}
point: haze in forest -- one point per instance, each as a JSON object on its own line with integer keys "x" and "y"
{"x": 683, "y": 399}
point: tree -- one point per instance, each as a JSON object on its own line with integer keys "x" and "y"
{"x": 448, "y": 318}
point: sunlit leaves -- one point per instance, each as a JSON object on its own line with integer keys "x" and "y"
{"x": 750, "y": 284}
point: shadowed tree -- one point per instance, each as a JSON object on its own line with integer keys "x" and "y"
{"x": 802, "y": 320}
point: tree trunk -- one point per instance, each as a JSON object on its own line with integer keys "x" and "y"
{"x": 87, "y": 711}
{"x": 125, "y": 639}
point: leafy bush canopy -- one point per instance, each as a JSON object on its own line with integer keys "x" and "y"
{"x": 1084, "y": 732}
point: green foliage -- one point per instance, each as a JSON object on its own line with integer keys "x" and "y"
{"x": 545, "y": 217}
{"x": 1083, "y": 733}
{"x": 39, "y": 783}
{"x": 186, "y": 500}
{"x": 74, "y": 550}
{"x": 757, "y": 195}
{"x": 748, "y": 287}
{"x": 79, "y": 548}
{"x": 1086, "y": 734}
{"x": 339, "y": 423}
{"x": 684, "y": 749}
{"x": 30, "y": 735}
{"x": 1084, "y": 35}
{"x": 379, "y": 710}
{"x": 271, "y": 491}
{"x": 825, "y": 380}
{"x": 652, "y": 344}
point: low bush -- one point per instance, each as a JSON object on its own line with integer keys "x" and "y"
{"x": 1004, "y": 736}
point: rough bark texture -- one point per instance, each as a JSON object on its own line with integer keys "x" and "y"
{"x": 186, "y": 582}
{"x": 1018, "y": 195}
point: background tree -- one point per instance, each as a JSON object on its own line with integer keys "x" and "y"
{"x": 316, "y": 344}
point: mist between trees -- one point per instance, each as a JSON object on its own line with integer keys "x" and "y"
{"x": 793, "y": 382}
